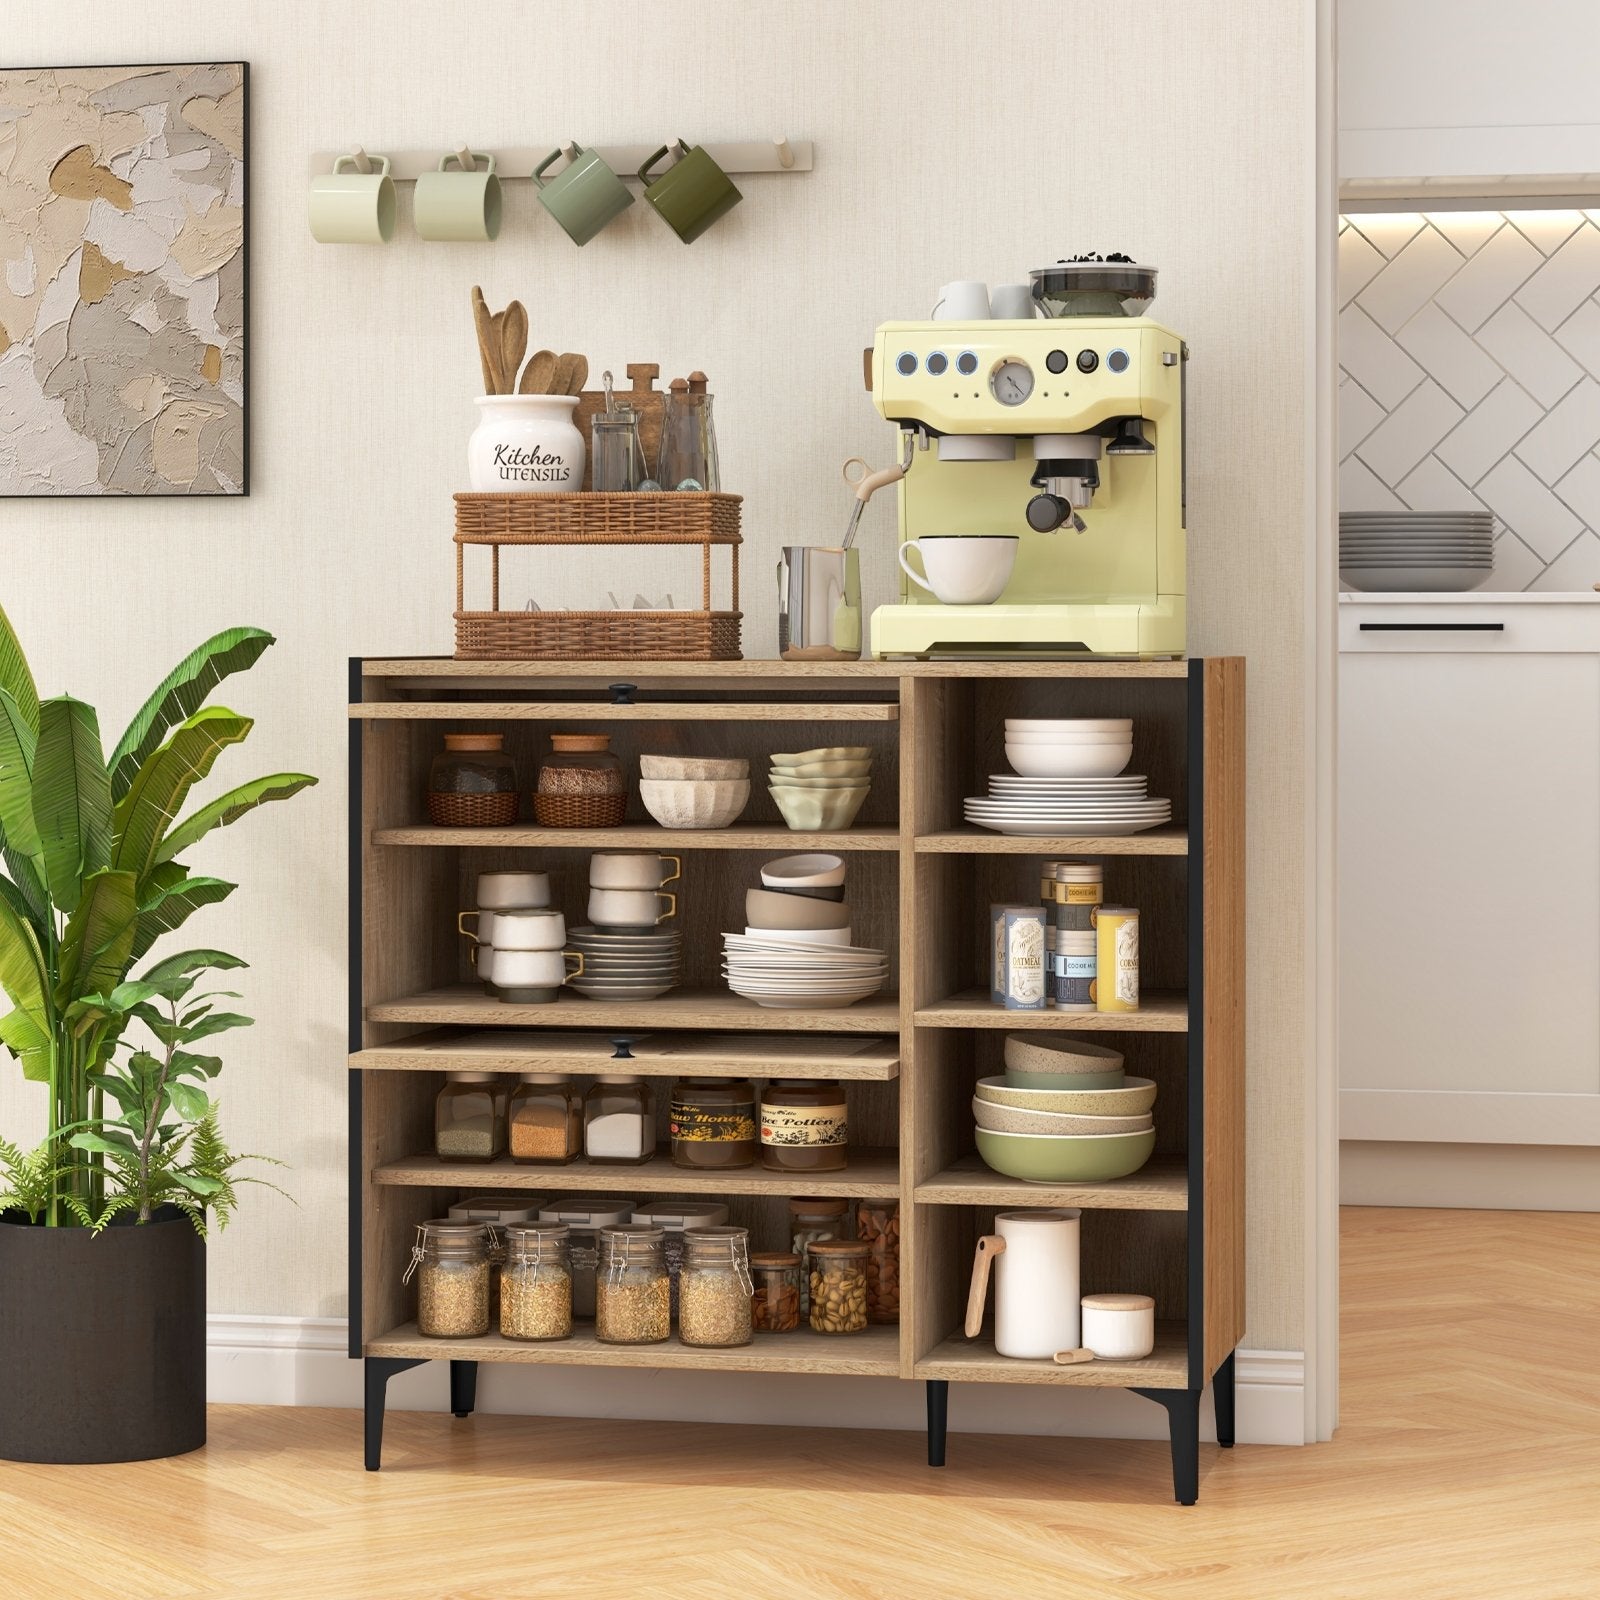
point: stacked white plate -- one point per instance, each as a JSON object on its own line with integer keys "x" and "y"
{"x": 794, "y": 974}
{"x": 626, "y": 966}
{"x": 1067, "y": 807}
{"x": 1403, "y": 551}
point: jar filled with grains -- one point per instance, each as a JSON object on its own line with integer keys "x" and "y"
{"x": 619, "y": 1128}
{"x": 810, "y": 1220}
{"x": 838, "y": 1286}
{"x": 472, "y": 783}
{"x": 713, "y": 1123}
{"x": 585, "y": 1215}
{"x": 536, "y": 1283}
{"x": 715, "y": 1291}
{"x": 545, "y": 1122}
{"x": 804, "y": 1125}
{"x": 469, "y": 1118}
{"x": 581, "y": 784}
{"x": 677, "y": 1219}
{"x": 878, "y": 1227}
{"x": 776, "y": 1305}
{"x": 451, "y": 1264}
{"x": 632, "y": 1300}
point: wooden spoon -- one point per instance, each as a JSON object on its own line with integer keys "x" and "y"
{"x": 513, "y": 343}
{"x": 580, "y": 375}
{"x": 488, "y": 348}
{"x": 539, "y": 372}
{"x": 1073, "y": 1358}
{"x": 566, "y": 366}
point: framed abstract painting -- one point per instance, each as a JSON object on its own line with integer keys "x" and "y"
{"x": 123, "y": 280}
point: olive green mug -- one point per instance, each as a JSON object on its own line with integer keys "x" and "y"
{"x": 584, "y": 196}
{"x": 692, "y": 193}
{"x": 460, "y": 206}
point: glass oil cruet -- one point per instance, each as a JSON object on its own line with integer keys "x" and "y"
{"x": 689, "y": 438}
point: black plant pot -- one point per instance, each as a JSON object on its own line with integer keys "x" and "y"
{"x": 102, "y": 1340}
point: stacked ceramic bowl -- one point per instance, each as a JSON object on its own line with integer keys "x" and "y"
{"x": 1416, "y": 551}
{"x": 693, "y": 791}
{"x": 1069, "y": 747}
{"x": 818, "y": 790}
{"x": 1063, "y": 1111}
{"x": 795, "y": 953}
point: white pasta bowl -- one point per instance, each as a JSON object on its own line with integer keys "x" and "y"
{"x": 694, "y": 802}
{"x": 1068, "y": 760}
{"x": 680, "y": 768}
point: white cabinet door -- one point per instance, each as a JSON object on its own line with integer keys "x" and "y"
{"x": 1469, "y": 871}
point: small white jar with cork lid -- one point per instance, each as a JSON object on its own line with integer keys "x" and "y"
{"x": 1119, "y": 1327}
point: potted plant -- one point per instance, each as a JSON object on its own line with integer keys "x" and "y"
{"x": 102, "y": 1256}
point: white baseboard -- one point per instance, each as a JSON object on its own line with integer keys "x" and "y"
{"x": 301, "y": 1361}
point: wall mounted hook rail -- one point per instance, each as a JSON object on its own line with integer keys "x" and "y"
{"x": 516, "y": 162}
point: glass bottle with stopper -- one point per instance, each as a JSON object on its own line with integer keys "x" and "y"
{"x": 689, "y": 438}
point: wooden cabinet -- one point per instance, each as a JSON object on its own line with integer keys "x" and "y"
{"x": 921, "y": 882}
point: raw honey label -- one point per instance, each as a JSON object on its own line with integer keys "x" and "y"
{"x": 730, "y": 1125}
{"x": 809, "y": 1126}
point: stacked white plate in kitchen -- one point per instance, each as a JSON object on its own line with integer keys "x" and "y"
{"x": 1394, "y": 552}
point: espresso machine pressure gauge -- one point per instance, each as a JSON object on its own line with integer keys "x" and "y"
{"x": 1012, "y": 382}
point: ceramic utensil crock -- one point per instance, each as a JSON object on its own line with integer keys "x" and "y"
{"x": 526, "y": 444}
{"x": 1036, "y": 1283}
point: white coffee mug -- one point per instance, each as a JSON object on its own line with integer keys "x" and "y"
{"x": 626, "y": 869}
{"x": 517, "y": 930}
{"x": 529, "y": 969}
{"x": 513, "y": 891}
{"x": 964, "y": 301}
{"x": 630, "y": 908}
{"x": 1012, "y": 302}
{"x": 963, "y": 569}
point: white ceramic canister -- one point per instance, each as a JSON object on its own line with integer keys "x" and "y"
{"x": 526, "y": 444}
{"x": 1119, "y": 1327}
{"x": 1036, "y": 1283}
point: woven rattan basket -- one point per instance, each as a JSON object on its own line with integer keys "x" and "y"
{"x": 580, "y": 810}
{"x": 472, "y": 810}
{"x": 498, "y": 521}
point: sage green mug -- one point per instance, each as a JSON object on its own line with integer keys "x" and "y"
{"x": 353, "y": 207}
{"x": 584, "y": 196}
{"x": 458, "y": 206}
{"x": 692, "y": 193}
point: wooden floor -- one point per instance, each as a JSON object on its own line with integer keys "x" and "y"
{"x": 1467, "y": 1466}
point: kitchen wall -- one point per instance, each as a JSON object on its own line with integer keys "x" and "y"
{"x": 1469, "y": 353}
{"x": 955, "y": 141}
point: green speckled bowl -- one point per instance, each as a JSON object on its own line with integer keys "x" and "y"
{"x": 1063, "y": 1158}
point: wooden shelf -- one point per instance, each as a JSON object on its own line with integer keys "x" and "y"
{"x": 468, "y": 1006}
{"x": 1168, "y": 841}
{"x": 604, "y": 711}
{"x": 644, "y": 836}
{"x": 962, "y": 1360}
{"x": 1157, "y": 1013}
{"x": 873, "y": 1353}
{"x": 872, "y": 1174}
{"x": 651, "y": 1055}
{"x": 1162, "y": 1184}
{"x": 446, "y": 668}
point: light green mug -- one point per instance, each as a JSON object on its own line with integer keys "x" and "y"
{"x": 458, "y": 206}
{"x": 692, "y": 193}
{"x": 353, "y": 207}
{"x": 584, "y": 196}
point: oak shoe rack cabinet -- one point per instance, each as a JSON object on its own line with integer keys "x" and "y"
{"x": 921, "y": 881}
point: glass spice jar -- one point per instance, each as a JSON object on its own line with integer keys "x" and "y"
{"x": 804, "y": 1125}
{"x": 676, "y": 1219}
{"x": 451, "y": 1264}
{"x": 619, "y": 1126}
{"x": 585, "y": 1216}
{"x": 809, "y": 1221}
{"x": 472, "y": 783}
{"x": 878, "y": 1227}
{"x": 715, "y": 1292}
{"x": 775, "y": 1307}
{"x": 469, "y": 1118}
{"x": 544, "y": 1125}
{"x": 536, "y": 1282}
{"x": 581, "y": 784}
{"x": 632, "y": 1296}
{"x": 713, "y": 1123}
{"x": 838, "y": 1286}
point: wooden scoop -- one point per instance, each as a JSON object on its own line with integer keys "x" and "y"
{"x": 566, "y": 367}
{"x": 537, "y": 375}
{"x": 513, "y": 343}
{"x": 580, "y": 375}
{"x": 488, "y": 344}
{"x": 1073, "y": 1358}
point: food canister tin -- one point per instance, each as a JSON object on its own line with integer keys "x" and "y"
{"x": 1117, "y": 959}
{"x": 1077, "y": 889}
{"x": 1018, "y": 961}
{"x": 1073, "y": 967}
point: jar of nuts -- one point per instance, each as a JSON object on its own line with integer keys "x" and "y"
{"x": 633, "y": 1301}
{"x": 715, "y": 1290}
{"x": 451, "y": 1263}
{"x": 810, "y": 1220}
{"x": 878, "y": 1227}
{"x": 776, "y": 1306}
{"x": 838, "y": 1286}
{"x": 536, "y": 1283}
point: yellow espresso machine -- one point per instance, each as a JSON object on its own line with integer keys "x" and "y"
{"x": 1067, "y": 431}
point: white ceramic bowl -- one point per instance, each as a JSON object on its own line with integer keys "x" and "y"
{"x": 1069, "y": 760}
{"x": 800, "y": 935}
{"x": 692, "y": 767}
{"x": 1069, "y": 724}
{"x": 771, "y": 908}
{"x": 694, "y": 803}
{"x": 1020, "y": 737}
{"x": 814, "y": 869}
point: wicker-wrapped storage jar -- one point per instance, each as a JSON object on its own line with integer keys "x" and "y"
{"x": 472, "y": 783}
{"x": 581, "y": 784}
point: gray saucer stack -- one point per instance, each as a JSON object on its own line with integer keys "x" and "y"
{"x": 1402, "y": 551}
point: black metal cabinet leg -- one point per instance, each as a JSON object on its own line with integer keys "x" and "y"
{"x": 938, "y": 1419}
{"x": 377, "y": 1371}
{"x": 1183, "y": 1425}
{"x": 463, "y": 1387}
{"x": 1222, "y": 1399}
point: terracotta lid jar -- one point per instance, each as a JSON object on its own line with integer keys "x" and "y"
{"x": 472, "y": 783}
{"x": 581, "y": 783}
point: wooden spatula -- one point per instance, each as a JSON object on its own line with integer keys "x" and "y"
{"x": 539, "y": 373}
{"x": 566, "y": 366}
{"x": 488, "y": 346}
{"x": 513, "y": 343}
{"x": 580, "y": 375}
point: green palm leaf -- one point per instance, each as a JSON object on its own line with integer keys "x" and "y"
{"x": 163, "y": 782}
{"x": 18, "y": 740}
{"x": 98, "y": 942}
{"x": 22, "y": 969}
{"x": 180, "y": 694}
{"x": 169, "y": 908}
{"x": 31, "y": 1045}
{"x": 16, "y": 679}
{"x": 230, "y": 807}
{"x": 71, "y": 798}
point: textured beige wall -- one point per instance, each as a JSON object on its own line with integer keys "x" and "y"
{"x": 954, "y": 140}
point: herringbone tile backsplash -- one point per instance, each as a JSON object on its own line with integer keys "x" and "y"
{"x": 1469, "y": 377}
